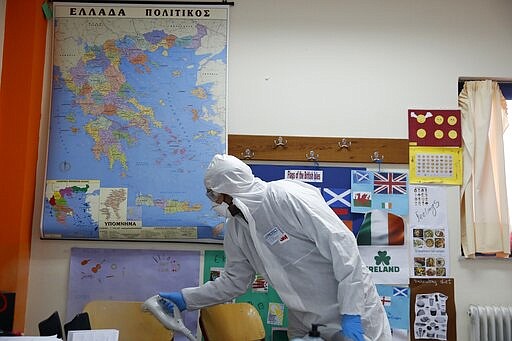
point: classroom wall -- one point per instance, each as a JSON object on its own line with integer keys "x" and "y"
{"x": 335, "y": 68}
{"x": 20, "y": 110}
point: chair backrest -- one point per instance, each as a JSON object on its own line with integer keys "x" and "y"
{"x": 133, "y": 323}
{"x": 51, "y": 326}
{"x": 79, "y": 322}
{"x": 231, "y": 322}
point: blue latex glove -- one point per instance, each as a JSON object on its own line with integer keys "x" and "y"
{"x": 351, "y": 327}
{"x": 172, "y": 298}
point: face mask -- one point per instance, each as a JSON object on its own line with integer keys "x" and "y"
{"x": 222, "y": 209}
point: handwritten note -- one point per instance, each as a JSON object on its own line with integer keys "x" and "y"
{"x": 427, "y": 205}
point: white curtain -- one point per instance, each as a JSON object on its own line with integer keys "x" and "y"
{"x": 484, "y": 205}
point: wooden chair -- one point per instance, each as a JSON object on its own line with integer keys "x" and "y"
{"x": 133, "y": 323}
{"x": 231, "y": 322}
{"x": 51, "y": 326}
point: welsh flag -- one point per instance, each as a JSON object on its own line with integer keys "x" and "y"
{"x": 381, "y": 227}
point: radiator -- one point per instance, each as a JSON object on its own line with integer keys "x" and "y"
{"x": 490, "y": 323}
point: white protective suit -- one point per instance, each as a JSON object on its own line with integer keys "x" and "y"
{"x": 299, "y": 245}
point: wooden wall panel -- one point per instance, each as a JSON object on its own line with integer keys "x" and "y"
{"x": 324, "y": 149}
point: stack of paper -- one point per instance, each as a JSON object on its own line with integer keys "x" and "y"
{"x": 93, "y": 335}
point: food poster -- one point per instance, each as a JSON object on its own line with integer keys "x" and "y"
{"x": 429, "y": 231}
{"x": 262, "y": 296}
{"x": 384, "y": 190}
{"x": 396, "y": 304}
{"x": 432, "y": 309}
{"x": 333, "y": 182}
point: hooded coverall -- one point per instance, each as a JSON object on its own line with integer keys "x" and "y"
{"x": 299, "y": 245}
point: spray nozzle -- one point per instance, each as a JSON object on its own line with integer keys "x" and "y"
{"x": 314, "y": 329}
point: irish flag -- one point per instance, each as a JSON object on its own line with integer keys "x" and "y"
{"x": 381, "y": 227}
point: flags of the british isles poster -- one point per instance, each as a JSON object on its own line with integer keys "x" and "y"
{"x": 379, "y": 190}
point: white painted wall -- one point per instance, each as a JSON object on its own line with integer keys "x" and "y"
{"x": 338, "y": 68}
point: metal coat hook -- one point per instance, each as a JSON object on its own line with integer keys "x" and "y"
{"x": 377, "y": 158}
{"x": 280, "y": 142}
{"x": 248, "y": 154}
{"x": 344, "y": 143}
{"x": 312, "y": 156}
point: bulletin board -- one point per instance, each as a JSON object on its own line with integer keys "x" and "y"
{"x": 389, "y": 264}
{"x": 138, "y": 109}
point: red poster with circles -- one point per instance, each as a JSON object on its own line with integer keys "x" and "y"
{"x": 436, "y": 128}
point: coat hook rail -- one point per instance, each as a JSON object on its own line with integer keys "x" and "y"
{"x": 297, "y": 148}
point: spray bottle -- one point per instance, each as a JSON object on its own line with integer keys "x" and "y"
{"x": 313, "y": 334}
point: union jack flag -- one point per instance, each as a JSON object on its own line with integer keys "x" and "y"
{"x": 390, "y": 183}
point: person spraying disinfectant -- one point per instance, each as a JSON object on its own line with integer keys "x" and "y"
{"x": 285, "y": 231}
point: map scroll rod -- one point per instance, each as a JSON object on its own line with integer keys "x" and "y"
{"x": 155, "y": 2}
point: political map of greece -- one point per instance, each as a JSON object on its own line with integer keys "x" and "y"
{"x": 138, "y": 109}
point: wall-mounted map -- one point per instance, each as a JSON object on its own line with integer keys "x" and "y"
{"x": 138, "y": 109}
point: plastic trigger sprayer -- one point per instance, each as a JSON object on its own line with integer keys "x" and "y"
{"x": 171, "y": 321}
{"x": 314, "y": 334}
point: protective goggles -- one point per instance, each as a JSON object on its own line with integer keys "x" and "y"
{"x": 212, "y": 195}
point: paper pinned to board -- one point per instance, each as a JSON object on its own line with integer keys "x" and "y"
{"x": 94, "y": 335}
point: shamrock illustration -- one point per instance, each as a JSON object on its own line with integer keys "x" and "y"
{"x": 382, "y": 258}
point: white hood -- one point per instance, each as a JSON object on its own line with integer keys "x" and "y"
{"x": 229, "y": 175}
